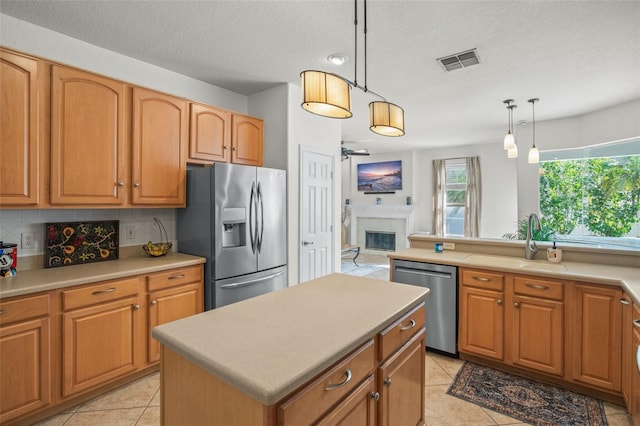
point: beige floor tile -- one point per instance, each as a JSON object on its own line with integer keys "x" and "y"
{"x": 123, "y": 417}
{"x": 57, "y": 420}
{"x": 136, "y": 394}
{"x": 450, "y": 365}
{"x": 446, "y": 410}
{"x": 434, "y": 373}
{"x": 155, "y": 402}
{"x": 150, "y": 417}
{"x": 619, "y": 420}
{"x": 610, "y": 408}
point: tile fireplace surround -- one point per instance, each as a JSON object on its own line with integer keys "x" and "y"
{"x": 389, "y": 218}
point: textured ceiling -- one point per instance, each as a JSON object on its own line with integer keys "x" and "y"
{"x": 576, "y": 56}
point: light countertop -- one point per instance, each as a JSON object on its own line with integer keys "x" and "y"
{"x": 270, "y": 345}
{"x": 33, "y": 281}
{"x": 626, "y": 277}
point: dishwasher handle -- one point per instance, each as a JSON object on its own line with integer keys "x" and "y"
{"x": 424, "y": 272}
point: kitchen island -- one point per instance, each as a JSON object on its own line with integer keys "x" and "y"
{"x": 314, "y": 351}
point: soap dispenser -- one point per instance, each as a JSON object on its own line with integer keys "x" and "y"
{"x": 554, "y": 254}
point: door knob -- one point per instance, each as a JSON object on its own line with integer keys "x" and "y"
{"x": 387, "y": 381}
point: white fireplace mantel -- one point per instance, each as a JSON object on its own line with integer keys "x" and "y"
{"x": 382, "y": 212}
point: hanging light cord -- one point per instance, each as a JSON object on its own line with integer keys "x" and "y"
{"x": 533, "y": 109}
{"x": 355, "y": 42}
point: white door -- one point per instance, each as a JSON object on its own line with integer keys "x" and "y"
{"x": 316, "y": 217}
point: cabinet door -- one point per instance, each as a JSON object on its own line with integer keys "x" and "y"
{"x": 100, "y": 343}
{"x": 598, "y": 336}
{"x": 357, "y": 409}
{"x": 18, "y": 130}
{"x": 210, "y": 134}
{"x": 87, "y": 139}
{"x": 159, "y": 148}
{"x": 537, "y": 337}
{"x": 628, "y": 361}
{"x": 635, "y": 380}
{"x": 482, "y": 322}
{"x": 25, "y": 368}
{"x": 401, "y": 385}
{"x": 247, "y": 140}
{"x": 170, "y": 305}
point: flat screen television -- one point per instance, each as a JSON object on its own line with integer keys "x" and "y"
{"x": 385, "y": 176}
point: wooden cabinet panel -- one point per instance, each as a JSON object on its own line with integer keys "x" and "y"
{"x": 482, "y": 322}
{"x": 100, "y": 343}
{"x": 359, "y": 408}
{"x": 174, "y": 277}
{"x": 88, "y": 146}
{"x": 210, "y": 134}
{"x": 99, "y": 293}
{"x": 597, "y": 337}
{"x": 170, "y": 305}
{"x": 246, "y": 140}
{"x": 482, "y": 279}
{"x": 537, "y": 334}
{"x": 634, "y": 407}
{"x": 19, "y": 140}
{"x": 401, "y": 385}
{"x": 25, "y": 363}
{"x": 398, "y": 333}
{"x": 159, "y": 147}
{"x": 535, "y": 287}
{"x": 628, "y": 361}
{"x": 23, "y": 308}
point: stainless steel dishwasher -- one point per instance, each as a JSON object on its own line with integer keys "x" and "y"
{"x": 441, "y": 304}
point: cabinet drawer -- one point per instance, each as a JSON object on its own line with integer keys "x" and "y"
{"x": 24, "y": 308}
{"x": 482, "y": 279}
{"x": 538, "y": 288}
{"x": 394, "y": 336}
{"x": 312, "y": 401}
{"x": 98, "y": 293}
{"x": 174, "y": 277}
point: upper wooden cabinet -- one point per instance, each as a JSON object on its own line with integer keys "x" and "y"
{"x": 159, "y": 145}
{"x": 18, "y": 130}
{"x": 210, "y": 134}
{"x": 88, "y": 148}
{"x": 246, "y": 140}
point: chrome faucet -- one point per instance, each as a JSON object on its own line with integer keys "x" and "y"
{"x": 530, "y": 247}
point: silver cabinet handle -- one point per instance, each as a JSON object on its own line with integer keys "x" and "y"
{"x": 387, "y": 381}
{"x": 136, "y": 185}
{"x": 136, "y": 307}
{"x": 109, "y": 290}
{"x": 153, "y": 302}
{"x": 636, "y": 323}
{"x": 375, "y": 396}
{"x": 499, "y": 301}
{"x": 341, "y": 384}
{"x": 483, "y": 279}
{"x": 517, "y": 305}
{"x": 624, "y": 302}
{"x": 225, "y": 147}
{"x": 121, "y": 184}
{"x": 307, "y": 243}
{"x": 175, "y": 277}
{"x": 412, "y": 324}
{"x": 537, "y": 287}
{"x": 1, "y": 311}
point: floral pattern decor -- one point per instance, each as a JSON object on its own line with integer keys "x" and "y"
{"x": 73, "y": 243}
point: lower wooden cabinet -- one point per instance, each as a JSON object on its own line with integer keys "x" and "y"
{"x": 634, "y": 406}
{"x": 628, "y": 361}
{"x": 25, "y": 359}
{"x": 597, "y": 336}
{"x": 358, "y": 408}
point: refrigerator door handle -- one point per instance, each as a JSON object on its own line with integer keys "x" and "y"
{"x": 252, "y": 234}
{"x": 260, "y": 229}
{"x": 250, "y": 282}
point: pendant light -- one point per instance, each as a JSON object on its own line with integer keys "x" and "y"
{"x": 509, "y": 139}
{"x": 329, "y": 95}
{"x": 534, "y": 154}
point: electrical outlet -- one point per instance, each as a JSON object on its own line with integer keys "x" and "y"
{"x": 131, "y": 232}
{"x": 28, "y": 240}
{"x": 449, "y": 246}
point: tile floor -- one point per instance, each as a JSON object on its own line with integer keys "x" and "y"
{"x": 138, "y": 403}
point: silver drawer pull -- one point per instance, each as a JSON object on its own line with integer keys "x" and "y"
{"x": 109, "y": 290}
{"x": 1, "y": 311}
{"x": 175, "y": 277}
{"x": 624, "y": 302}
{"x": 341, "y": 384}
{"x": 537, "y": 287}
{"x": 375, "y": 396}
{"x": 636, "y": 323}
{"x": 484, "y": 280}
{"x": 412, "y": 324}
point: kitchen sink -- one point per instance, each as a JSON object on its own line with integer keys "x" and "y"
{"x": 513, "y": 262}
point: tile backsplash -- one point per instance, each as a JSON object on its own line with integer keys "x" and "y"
{"x": 136, "y": 225}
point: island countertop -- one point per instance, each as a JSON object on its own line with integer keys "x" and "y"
{"x": 270, "y": 345}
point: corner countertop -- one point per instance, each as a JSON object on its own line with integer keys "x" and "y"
{"x": 626, "y": 277}
{"x": 270, "y": 345}
{"x": 34, "y": 281}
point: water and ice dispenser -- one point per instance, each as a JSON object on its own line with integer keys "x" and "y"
{"x": 234, "y": 222}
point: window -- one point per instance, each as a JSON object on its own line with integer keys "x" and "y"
{"x": 591, "y": 195}
{"x": 455, "y": 197}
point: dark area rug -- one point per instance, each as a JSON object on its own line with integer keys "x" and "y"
{"x": 524, "y": 399}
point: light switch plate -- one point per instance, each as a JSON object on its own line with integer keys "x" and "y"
{"x": 28, "y": 241}
{"x": 449, "y": 246}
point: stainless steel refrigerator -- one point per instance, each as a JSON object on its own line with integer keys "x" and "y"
{"x": 236, "y": 218}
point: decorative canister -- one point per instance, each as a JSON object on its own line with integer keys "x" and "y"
{"x": 8, "y": 259}
{"x": 554, "y": 254}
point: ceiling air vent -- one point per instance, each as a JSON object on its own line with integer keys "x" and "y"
{"x": 459, "y": 60}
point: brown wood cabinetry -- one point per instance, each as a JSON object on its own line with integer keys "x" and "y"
{"x": 482, "y": 313}
{"x": 358, "y": 408}
{"x": 25, "y": 359}
{"x": 246, "y": 140}
{"x": 19, "y": 136}
{"x": 628, "y": 361}
{"x": 634, "y": 407}
{"x": 88, "y": 144}
{"x": 597, "y": 336}
{"x": 159, "y": 144}
{"x": 210, "y": 134}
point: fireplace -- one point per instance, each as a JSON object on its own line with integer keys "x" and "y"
{"x": 377, "y": 240}
{"x": 396, "y": 219}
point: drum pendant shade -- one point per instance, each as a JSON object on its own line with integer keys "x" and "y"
{"x": 326, "y": 94}
{"x": 386, "y": 119}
